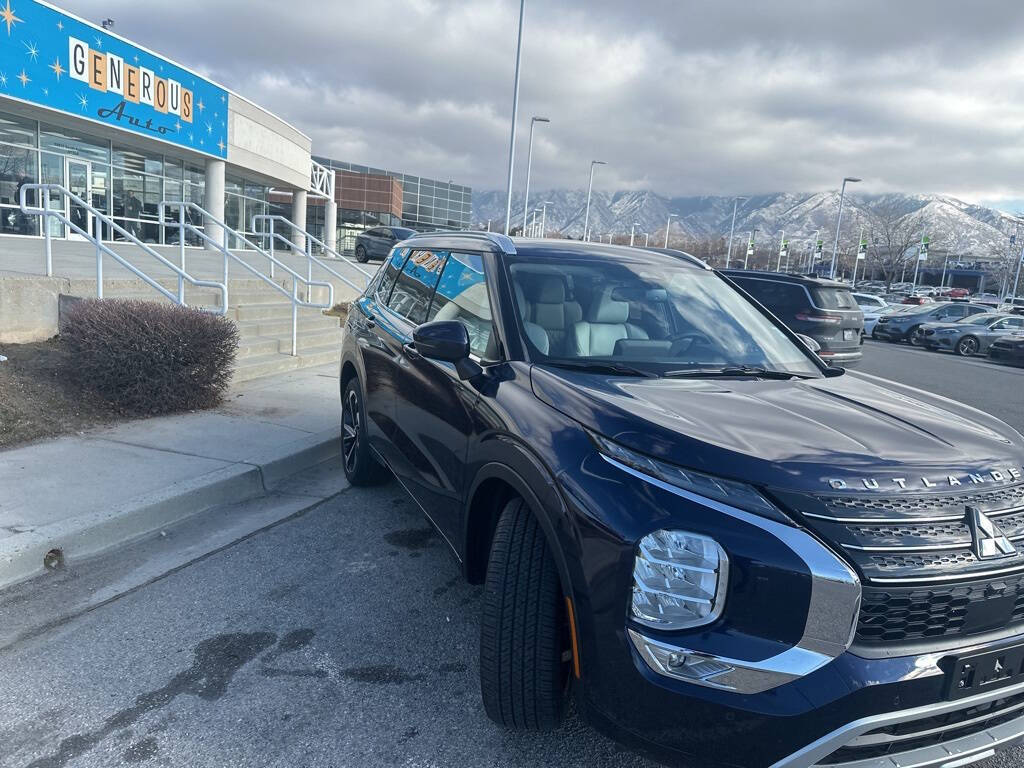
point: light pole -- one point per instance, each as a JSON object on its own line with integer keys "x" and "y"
{"x": 732, "y": 229}
{"x": 529, "y": 165}
{"x": 647, "y": 241}
{"x": 544, "y": 218}
{"x": 782, "y": 241}
{"x": 590, "y": 188}
{"x": 632, "y": 232}
{"x": 668, "y": 226}
{"x": 515, "y": 115}
{"x": 750, "y": 247}
{"x": 839, "y": 223}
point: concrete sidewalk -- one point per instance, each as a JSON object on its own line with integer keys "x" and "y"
{"x": 85, "y": 494}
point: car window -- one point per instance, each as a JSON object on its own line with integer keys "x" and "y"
{"x": 833, "y": 298}
{"x": 784, "y": 300}
{"x": 391, "y": 271}
{"x": 415, "y": 285}
{"x": 462, "y": 295}
{"x": 973, "y": 310}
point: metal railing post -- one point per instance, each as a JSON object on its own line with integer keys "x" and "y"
{"x": 295, "y": 317}
{"x": 181, "y": 242}
{"x": 99, "y": 272}
{"x": 271, "y": 249}
{"x": 47, "y": 243}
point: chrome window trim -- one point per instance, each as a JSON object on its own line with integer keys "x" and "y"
{"x": 830, "y": 742}
{"x": 835, "y": 591}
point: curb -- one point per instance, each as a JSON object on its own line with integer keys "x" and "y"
{"x": 21, "y": 556}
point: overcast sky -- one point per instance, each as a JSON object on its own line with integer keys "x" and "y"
{"x": 681, "y": 97}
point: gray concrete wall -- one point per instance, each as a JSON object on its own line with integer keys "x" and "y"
{"x": 261, "y": 142}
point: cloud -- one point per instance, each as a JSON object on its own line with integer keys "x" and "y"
{"x": 678, "y": 96}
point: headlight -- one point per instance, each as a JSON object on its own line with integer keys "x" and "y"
{"x": 679, "y": 580}
{"x": 710, "y": 487}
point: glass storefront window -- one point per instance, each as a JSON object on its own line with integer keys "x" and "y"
{"x": 73, "y": 144}
{"x": 137, "y": 160}
{"x": 18, "y": 166}
{"x": 17, "y": 130}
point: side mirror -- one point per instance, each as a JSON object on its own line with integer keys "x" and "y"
{"x": 808, "y": 342}
{"x": 446, "y": 340}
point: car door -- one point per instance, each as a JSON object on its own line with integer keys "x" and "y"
{"x": 434, "y": 422}
{"x": 1000, "y": 328}
{"x": 385, "y": 240}
{"x": 376, "y": 335}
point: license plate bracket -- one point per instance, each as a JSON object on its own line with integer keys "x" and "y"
{"x": 849, "y": 334}
{"x": 982, "y": 672}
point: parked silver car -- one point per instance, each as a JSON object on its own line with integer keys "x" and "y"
{"x": 969, "y": 336}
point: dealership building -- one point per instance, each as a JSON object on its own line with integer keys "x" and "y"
{"x": 123, "y": 128}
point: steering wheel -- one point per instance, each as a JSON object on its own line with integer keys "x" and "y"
{"x": 684, "y": 342}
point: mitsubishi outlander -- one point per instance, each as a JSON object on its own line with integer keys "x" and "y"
{"x": 724, "y": 550}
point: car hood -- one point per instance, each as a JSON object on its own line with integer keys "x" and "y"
{"x": 812, "y": 434}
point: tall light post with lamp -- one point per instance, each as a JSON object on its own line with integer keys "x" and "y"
{"x": 590, "y": 188}
{"x": 668, "y": 226}
{"x": 839, "y": 223}
{"x": 632, "y": 232}
{"x": 529, "y": 165}
{"x": 515, "y": 116}
{"x": 544, "y": 218}
{"x": 732, "y": 229}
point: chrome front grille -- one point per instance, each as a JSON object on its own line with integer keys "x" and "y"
{"x": 916, "y": 538}
{"x": 922, "y": 579}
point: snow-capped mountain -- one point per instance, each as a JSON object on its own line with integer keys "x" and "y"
{"x": 951, "y": 223}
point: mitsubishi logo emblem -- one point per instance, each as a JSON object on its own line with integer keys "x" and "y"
{"x": 989, "y": 541}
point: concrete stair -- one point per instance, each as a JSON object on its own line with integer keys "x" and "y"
{"x": 264, "y": 319}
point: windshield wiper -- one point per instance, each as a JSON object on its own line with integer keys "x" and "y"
{"x": 601, "y": 366}
{"x": 736, "y": 370}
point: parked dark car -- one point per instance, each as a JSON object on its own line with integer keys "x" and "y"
{"x": 902, "y": 326}
{"x": 824, "y": 310}
{"x": 1009, "y": 349}
{"x": 969, "y": 336}
{"x": 376, "y": 243}
{"x": 724, "y": 550}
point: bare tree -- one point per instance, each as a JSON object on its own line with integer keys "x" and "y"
{"x": 892, "y": 237}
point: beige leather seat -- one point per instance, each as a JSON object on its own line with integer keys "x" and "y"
{"x": 607, "y": 322}
{"x": 549, "y": 309}
{"x": 535, "y": 333}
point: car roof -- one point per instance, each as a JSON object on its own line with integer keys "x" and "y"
{"x": 551, "y": 248}
{"x": 785, "y": 277}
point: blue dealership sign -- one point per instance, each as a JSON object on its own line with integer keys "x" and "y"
{"x": 55, "y": 60}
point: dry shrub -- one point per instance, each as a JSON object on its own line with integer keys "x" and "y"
{"x": 149, "y": 358}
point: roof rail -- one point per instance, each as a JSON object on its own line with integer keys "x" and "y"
{"x": 504, "y": 242}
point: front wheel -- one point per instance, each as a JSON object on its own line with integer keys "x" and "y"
{"x": 967, "y": 346}
{"x": 525, "y": 652}
{"x": 912, "y": 336}
{"x": 361, "y": 467}
{"x": 361, "y": 256}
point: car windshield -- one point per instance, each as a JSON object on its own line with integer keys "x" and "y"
{"x": 402, "y": 233}
{"x": 647, "y": 316}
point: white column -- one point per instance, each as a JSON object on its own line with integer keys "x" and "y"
{"x": 214, "y": 199}
{"x": 299, "y": 217}
{"x": 331, "y": 225}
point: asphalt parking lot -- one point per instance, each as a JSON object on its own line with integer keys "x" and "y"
{"x": 995, "y": 388}
{"x": 340, "y": 637}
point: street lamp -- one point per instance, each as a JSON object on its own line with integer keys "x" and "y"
{"x": 544, "y": 218}
{"x": 632, "y": 232}
{"x": 590, "y": 187}
{"x": 668, "y": 226}
{"x": 647, "y": 241}
{"x": 750, "y": 247}
{"x": 732, "y": 229}
{"x": 529, "y": 164}
{"x": 515, "y": 115}
{"x": 835, "y": 246}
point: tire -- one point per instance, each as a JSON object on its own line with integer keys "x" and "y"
{"x": 967, "y": 346}
{"x": 524, "y": 663}
{"x": 910, "y": 336}
{"x": 361, "y": 256}
{"x": 361, "y": 466}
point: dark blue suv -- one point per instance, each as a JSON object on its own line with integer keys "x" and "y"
{"x": 726, "y": 551}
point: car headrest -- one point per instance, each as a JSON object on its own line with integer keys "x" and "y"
{"x": 605, "y": 309}
{"x": 548, "y": 290}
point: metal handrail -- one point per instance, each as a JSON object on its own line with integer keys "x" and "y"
{"x": 308, "y": 250}
{"x": 46, "y": 213}
{"x": 184, "y": 225}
